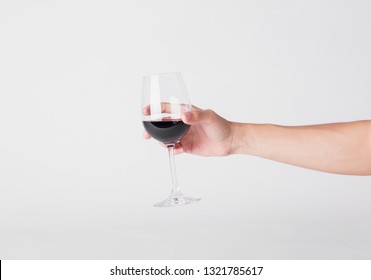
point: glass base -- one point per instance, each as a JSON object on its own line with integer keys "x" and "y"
{"x": 177, "y": 200}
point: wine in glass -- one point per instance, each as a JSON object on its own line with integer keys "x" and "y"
{"x": 164, "y": 99}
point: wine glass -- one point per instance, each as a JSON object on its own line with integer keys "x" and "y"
{"x": 164, "y": 99}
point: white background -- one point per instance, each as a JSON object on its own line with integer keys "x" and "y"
{"x": 77, "y": 180}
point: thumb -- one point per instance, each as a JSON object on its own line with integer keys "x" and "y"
{"x": 198, "y": 116}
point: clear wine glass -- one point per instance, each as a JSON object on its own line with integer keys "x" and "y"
{"x": 164, "y": 99}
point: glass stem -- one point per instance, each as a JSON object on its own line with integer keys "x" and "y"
{"x": 176, "y": 189}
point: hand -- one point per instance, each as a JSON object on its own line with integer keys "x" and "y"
{"x": 209, "y": 134}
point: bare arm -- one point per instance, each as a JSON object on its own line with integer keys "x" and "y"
{"x": 342, "y": 148}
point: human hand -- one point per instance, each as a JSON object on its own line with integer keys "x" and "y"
{"x": 209, "y": 134}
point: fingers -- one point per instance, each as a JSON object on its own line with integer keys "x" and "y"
{"x": 166, "y": 107}
{"x": 146, "y": 135}
{"x": 178, "y": 149}
{"x": 146, "y": 110}
{"x": 198, "y": 116}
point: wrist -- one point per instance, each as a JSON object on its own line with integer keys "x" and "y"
{"x": 241, "y": 138}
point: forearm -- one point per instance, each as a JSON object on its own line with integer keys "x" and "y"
{"x": 337, "y": 148}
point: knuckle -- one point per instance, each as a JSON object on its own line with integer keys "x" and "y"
{"x": 209, "y": 116}
{"x": 209, "y": 111}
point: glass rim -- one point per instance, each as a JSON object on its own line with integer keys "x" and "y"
{"x": 161, "y": 74}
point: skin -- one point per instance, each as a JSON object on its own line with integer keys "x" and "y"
{"x": 342, "y": 148}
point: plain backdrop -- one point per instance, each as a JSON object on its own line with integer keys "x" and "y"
{"x": 77, "y": 180}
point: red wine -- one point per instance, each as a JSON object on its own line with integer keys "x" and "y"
{"x": 166, "y": 131}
